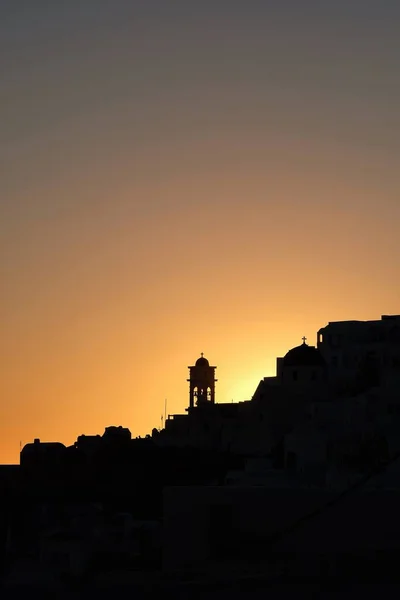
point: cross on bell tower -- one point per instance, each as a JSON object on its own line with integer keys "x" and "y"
{"x": 201, "y": 383}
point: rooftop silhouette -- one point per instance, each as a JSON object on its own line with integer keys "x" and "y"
{"x": 317, "y": 442}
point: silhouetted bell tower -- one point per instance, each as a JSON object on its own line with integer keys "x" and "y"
{"x": 201, "y": 383}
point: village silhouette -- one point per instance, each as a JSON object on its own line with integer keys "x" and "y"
{"x": 301, "y": 483}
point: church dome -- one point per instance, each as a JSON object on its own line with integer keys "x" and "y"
{"x": 202, "y": 362}
{"x": 304, "y": 356}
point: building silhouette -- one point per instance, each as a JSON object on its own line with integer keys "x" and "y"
{"x": 335, "y": 399}
{"x": 326, "y": 426}
{"x": 201, "y": 383}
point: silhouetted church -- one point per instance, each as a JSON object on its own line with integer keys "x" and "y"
{"x": 248, "y": 426}
{"x": 329, "y": 383}
{"x": 202, "y": 383}
{"x": 323, "y": 400}
{"x": 328, "y": 419}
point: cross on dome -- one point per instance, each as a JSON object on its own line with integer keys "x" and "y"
{"x": 304, "y": 339}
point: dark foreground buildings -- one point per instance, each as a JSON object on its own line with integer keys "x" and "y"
{"x": 303, "y": 480}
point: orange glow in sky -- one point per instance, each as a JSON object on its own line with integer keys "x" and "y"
{"x": 177, "y": 182}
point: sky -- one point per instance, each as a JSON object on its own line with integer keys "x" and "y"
{"x": 179, "y": 177}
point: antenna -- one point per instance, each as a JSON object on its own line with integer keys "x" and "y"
{"x": 165, "y": 410}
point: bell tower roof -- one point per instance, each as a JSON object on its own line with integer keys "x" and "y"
{"x": 202, "y": 361}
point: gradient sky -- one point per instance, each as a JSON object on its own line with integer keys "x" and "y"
{"x": 180, "y": 177}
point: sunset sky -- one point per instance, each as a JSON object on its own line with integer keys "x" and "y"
{"x": 183, "y": 176}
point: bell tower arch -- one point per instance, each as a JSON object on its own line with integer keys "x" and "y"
{"x": 201, "y": 383}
